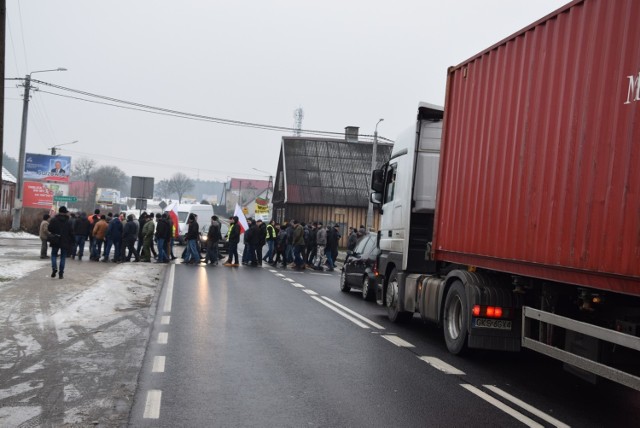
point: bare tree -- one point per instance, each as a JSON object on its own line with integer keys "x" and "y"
{"x": 179, "y": 183}
{"x": 83, "y": 170}
{"x": 111, "y": 177}
{"x": 162, "y": 189}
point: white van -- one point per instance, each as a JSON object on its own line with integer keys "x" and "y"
{"x": 203, "y": 211}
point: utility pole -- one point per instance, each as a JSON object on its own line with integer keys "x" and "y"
{"x": 17, "y": 209}
{"x": 3, "y": 21}
{"x": 373, "y": 167}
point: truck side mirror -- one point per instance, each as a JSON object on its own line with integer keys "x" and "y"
{"x": 377, "y": 181}
{"x": 376, "y": 198}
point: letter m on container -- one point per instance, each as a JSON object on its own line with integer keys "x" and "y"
{"x": 633, "y": 94}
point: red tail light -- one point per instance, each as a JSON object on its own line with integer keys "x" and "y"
{"x": 374, "y": 268}
{"x": 490, "y": 311}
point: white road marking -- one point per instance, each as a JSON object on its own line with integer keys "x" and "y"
{"x": 289, "y": 279}
{"x": 397, "y": 341}
{"x": 273, "y": 270}
{"x": 158, "y": 364}
{"x": 279, "y": 274}
{"x": 355, "y": 314}
{"x": 500, "y": 405}
{"x": 295, "y": 284}
{"x": 442, "y": 366}
{"x": 152, "y": 406}
{"x": 553, "y": 421}
{"x": 310, "y": 292}
{"x": 163, "y": 338}
{"x": 338, "y": 311}
{"x": 165, "y": 320}
{"x": 169, "y": 296}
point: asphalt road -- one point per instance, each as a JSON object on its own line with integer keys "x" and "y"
{"x": 265, "y": 347}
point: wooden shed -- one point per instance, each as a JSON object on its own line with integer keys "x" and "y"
{"x": 327, "y": 180}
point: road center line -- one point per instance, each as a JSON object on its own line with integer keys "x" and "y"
{"x": 152, "y": 406}
{"x": 553, "y": 421}
{"x": 279, "y": 274}
{"x": 339, "y": 312}
{"x": 165, "y": 320}
{"x": 355, "y": 314}
{"x": 158, "y": 364}
{"x": 397, "y": 341}
{"x": 169, "y": 296}
{"x": 297, "y": 285}
{"x": 500, "y": 405}
{"x": 310, "y": 292}
{"x": 442, "y": 366}
{"x": 289, "y": 279}
{"x": 163, "y": 338}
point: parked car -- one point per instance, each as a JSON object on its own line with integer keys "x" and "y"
{"x": 223, "y": 245}
{"x": 360, "y": 269}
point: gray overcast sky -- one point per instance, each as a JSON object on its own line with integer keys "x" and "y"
{"x": 344, "y": 62}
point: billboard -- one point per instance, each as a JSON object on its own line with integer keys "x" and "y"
{"x": 37, "y": 195}
{"x": 46, "y": 167}
{"x": 106, "y": 196}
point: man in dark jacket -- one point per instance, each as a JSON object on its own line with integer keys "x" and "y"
{"x": 332, "y": 246}
{"x": 163, "y": 234}
{"x": 62, "y": 240}
{"x": 261, "y": 241}
{"x": 81, "y": 231}
{"x": 251, "y": 238}
{"x": 114, "y": 235}
{"x": 213, "y": 238}
{"x": 129, "y": 237}
{"x": 298, "y": 244}
{"x": 270, "y": 237}
{"x": 192, "y": 255}
{"x": 234, "y": 238}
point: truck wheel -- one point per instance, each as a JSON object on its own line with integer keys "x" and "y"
{"x": 368, "y": 293}
{"x": 393, "y": 312}
{"x": 343, "y": 282}
{"x": 456, "y": 319}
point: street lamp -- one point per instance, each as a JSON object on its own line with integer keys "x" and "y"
{"x": 53, "y": 149}
{"x": 373, "y": 167}
{"x": 17, "y": 208}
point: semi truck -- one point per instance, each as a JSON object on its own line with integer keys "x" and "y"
{"x": 510, "y": 217}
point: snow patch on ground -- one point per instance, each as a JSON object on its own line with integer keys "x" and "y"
{"x": 18, "y": 235}
{"x": 15, "y": 268}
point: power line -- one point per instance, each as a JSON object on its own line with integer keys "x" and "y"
{"x": 176, "y": 113}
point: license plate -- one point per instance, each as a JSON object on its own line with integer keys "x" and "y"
{"x": 488, "y": 323}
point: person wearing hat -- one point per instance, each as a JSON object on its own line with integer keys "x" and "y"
{"x": 61, "y": 239}
{"x": 234, "y": 239}
{"x": 261, "y": 240}
{"x": 332, "y": 246}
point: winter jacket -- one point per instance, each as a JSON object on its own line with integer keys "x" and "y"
{"x": 114, "y": 231}
{"x": 130, "y": 233}
{"x": 353, "y": 241}
{"x": 251, "y": 235}
{"x": 163, "y": 230}
{"x": 214, "y": 235}
{"x": 44, "y": 229}
{"x": 234, "y": 233}
{"x": 148, "y": 229}
{"x": 332, "y": 239}
{"x": 298, "y": 235}
{"x": 262, "y": 234}
{"x": 61, "y": 226}
{"x": 192, "y": 233}
{"x": 82, "y": 226}
{"x": 100, "y": 229}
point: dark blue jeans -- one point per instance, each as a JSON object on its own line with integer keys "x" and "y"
{"x": 54, "y": 258}
{"x": 80, "y": 240}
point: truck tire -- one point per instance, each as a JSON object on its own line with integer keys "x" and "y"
{"x": 393, "y": 312}
{"x": 368, "y": 292}
{"x": 456, "y": 319}
{"x": 343, "y": 282}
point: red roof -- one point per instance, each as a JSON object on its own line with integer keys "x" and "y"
{"x": 244, "y": 183}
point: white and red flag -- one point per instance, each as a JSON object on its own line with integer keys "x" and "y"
{"x": 241, "y": 219}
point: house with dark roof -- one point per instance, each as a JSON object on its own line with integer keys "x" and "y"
{"x": 327, "y": 180}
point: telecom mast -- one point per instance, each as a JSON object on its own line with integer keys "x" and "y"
{"x": 298, "y": 115}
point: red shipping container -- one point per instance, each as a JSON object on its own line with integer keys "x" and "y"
{"x": 540, "y": 161}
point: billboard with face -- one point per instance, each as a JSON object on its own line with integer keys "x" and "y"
{"x": 47, "y": 168}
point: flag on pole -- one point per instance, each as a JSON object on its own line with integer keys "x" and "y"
{"x": 241, "y": 219}
{"x": 172, "y": 210}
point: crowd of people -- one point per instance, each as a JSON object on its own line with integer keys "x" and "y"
{"x": 292, "y": 244}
